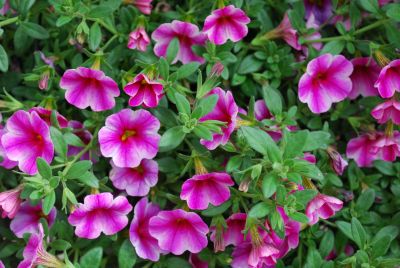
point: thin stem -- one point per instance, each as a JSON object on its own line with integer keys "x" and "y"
{"x": 109, "y": 42}
{"x": 8, "y": 21}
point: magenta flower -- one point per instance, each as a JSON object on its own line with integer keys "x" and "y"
{"x": 232, "y": 235}
{"x": 85, "y": 136}
{"x": 45, "y": 114}
{"x": 138, "y": 39}
{"x": 187, "y": 34}
{"x": 146, "y": 246}
{"x": 312, "y": 24}
{"x": 322, "y": 206}
{"x": 178, "y": 231}
{"x": 27, "y": 219}
{"x": 337, "y": 162}
{"x": 388, "y": 146}
{"x": 89, "y": 87}
{"x": 144, "y": 6}
{"x": 389, "y": 110}
{"x": 5, "y": 162}
{"x": 226, "y": 23}
{"x": 365, "y": 73}
{"x": 389, "y": 79}
{"x": 326, "y": 81}
{"x": 26, "y": 139}
{"x": 196, "y": 262}
{"x": 135, "y": 181}
{"x": 129, "y": 137}
{"x": 5, "y": 8}
{"x": 261, "y": 112}
{"x": 362, "y": 149}
{"x": 144, "y": 91}
{"x": 226, "y": 111}
{"x": 321, "y": 9}
{"x": 1, "y": 265}
{"x": 100, "y": 213}
{"x": 35, "y": 254}
{"x": 203, "y": 189}
{"x": 10, "y": 202}
{"x": 286, "y": 32}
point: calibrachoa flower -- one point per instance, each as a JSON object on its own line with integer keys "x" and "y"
{"x": 388, "y": 146}
{"x": 388, "y": 110}
{"x": 311, "y": 24}
{"x": 5, "y": 161}
{"x": 26, "y": 139}
{"x": 226, "y": 23}
{"x": 232, "y": 234}
{"x": 226, "y": 111}
{"x": 261, "y": 112}
{"x": 10, "y": 202}
{"x": 130, "y": 136}
{"x": 144, "y": 91}
{"x": 146, "y": 246}
{"x": 138, "y": 39}
{"x": 45, "y": 114}
{"x": 35, "y": 254}
{"x": 389, "y": 79}
{"x": 100, "y": 213}
{"x": 204, "y": 189}
{"x": 326, "y": 81}
{"x": 144, "y": 6}
{"x": 196, "y": 262}
{"x": 286, "y": 32}
{"x": 135, "y": 181}
{"x": 365, "y": 73}
{"x": 337, "y": 162}
{"x": 89, "y": 87}
{"x": 1, "y": 265}
{"x": 177, "y": 231}
{"x": 187, "y": 34}
{"x": 85, "y": 136}
{"x": 361, "y": 149}
{"x": 27, "y": 219}
{"x": 322, "y": 206}
{"x": 322, "y": 9}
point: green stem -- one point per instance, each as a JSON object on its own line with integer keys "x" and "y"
{"x": 8, "y": 21}
{"x": 109, "y": 42}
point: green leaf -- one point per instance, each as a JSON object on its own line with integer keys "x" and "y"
{"x": 212, "y": 211}
{"x": 369, "y": 5}
{"x": 269, "y": 184}
{"x": 272, "y": 99}
{"x": 260, "y": 210}
{"x": 176, "y": 262}
{"x": 327, "y": 243}
{"x": 299, "y": 217}
{"x": 295, "y": 142}
{"x": 72, "y": 139}
{"x": 206, "y": 105}
{"x": 89, "y": 179}
{"x": 303, "y": 197}
{"x": 172, "y": 50}
{"x": 60, "y": 245}
{"x": 393, "y": 12}
{"x": 263, "y": 143}
{"x": 48, "y": 202}
{"x": 100, "y": 11}
{"x": 390, "y": 230}
{"x": 3, "y": 60}
{"x": 187, "y": 70}
{"x": 70, "y": 196}
{"x": 126, "y": 255}
{"x": 60, "y": 146}
{"x": 171, "y": 138}
{"x": 9, "y": 249}
{"x": 250, "y": 64}
{"x": 62, "y": 20}
{"x": 358, "y": 233}
{"x": 78, "y": 169}
{"x": 333, "y": 47}
{"x": 163, "y": 68}
{"x": 182, "y": 104}
{"x": 92, "y": 258}
{"x": 381, "y": 246}
{"x": 316, "y": 140}
{"x": 203, "y": 132}
{"x": 306, "y": 169}
{"x": 365, "y": 200}
{"x": 345, "y": 227}
{"x": 43, "y": 168}
{"x": 94, "y": 36}
{"x": 34, "y": 30}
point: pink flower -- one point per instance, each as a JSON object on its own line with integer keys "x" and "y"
{"x": 311, "y": 24}
{"x": 348, "y": 250}
{"x": 89, "y": 87}
{"x": 321, "y": 9}
{"x": 337, "y": 162}
{"x": 10, "y": 202}
{"x": 135, "y": 181}
{"x": 310, "y": 158}
{"x": 365, "y": 73}
{"x": 129, "y": 137}
{"x": 322, "y": 206}
{"x": 5, "y": 8}
{"x": 261, "y": 112}
{"x": 2, "y": 265}
{"x": 27, "y": 219}
{"x": 5, "y": 162}
{"x": 34, "y": 254}
{"x": 85, "y": 136}
{"x": 196, "y": 262}
{"x": 187, "y": 34}
{"x": 146, "y": 246}
{"x": 388, "y": 147}
{"x": 204, "y": 189}
{"x": 389, "y": 110}
{"x": 232, "y": 235}
{"x": 144, "y": 6}
{"x": 178, "y": 231}
{"x": 26, "y": 139}
{"x": 45, "y": 114}
{"x": 361, "y": 149}
{"x": 326, "y": 81}
{"x": 226, "y": 23}
{"x": 100, "y": 213}
{"x": 226, "y": 111}
{"x": 144, "y": 91}
{"x": 389, "y": 79}
{"x": 249, "y": 255}
{"x": 287, "y": 33}
{"x": 138, "y": 39}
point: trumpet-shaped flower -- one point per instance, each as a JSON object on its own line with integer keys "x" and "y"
{"x": 232, "y": 234}
{"x": 138, "y": 39}
{"x": 5, "y": 161}
{"x": 45, "y": 114}
{"x": 322, "y": 206}
{"x": 388, "y": 146}
{"x": 144, "y": 91}
{"x": 389, "y": 110}
{"x": 10, "y": 202}
{"x": 389, "y": 79}
{"x": 362, "y": 149}
{"x": 129, "y": 137}
{"x": 365, "y": 73}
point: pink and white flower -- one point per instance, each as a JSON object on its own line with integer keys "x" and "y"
{"x": 225, "y": 111}
{"x": 177, "y": 231}
{"x": 389, "y": 79}
{"x": 100, "y": 213}
{"x": 138, "y": 39}
{"x": 27, "y": 219}
{"x": 146, "y": 246}
{"x": 285, "y": 31}
{"x": 135, "y": 181}
{"x": 232, "y": 235}
{"x": 45, "y": 114}
{"x": 129, "y": 137}
{"x": 362, "y": 149}
{"x": 10, "y": 202}
{"x": 204, "y": 189}
{"x": 326, "y": 81}
{"x": 365, "y": 73}
{"x": 226, "y": 23}
{"x": 312, "y": 24}
{"x": 5, "y": 162}
{"x": 388, "y": 146}
{"x": 187, "y": 34}
{"x": 322, "y": 206}
{"x": 27, "y": 138}
{"x": 337, "y": 162}
{"x": 144, "y": 91}
{"x": 144, "y": 6}
{"x": 89, "y": 87}
{"x": 388, "y": 110}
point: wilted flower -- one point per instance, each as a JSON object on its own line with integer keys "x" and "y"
{"x": 365, "y": 73}
{"x": 138, "y": 39}
{"x": 322, "y": 9}
{"x": 143, "y": 91}
{"x": 389, "y": 110}
{"x": 322, "y": 206}
{"x": 144, "y": 6}
{"x": 337, "y": 162}
{"x": 389, "y": 79}
{"x": 10, "y": 202}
